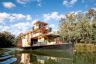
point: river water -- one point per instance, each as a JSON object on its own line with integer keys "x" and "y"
{"x": 19, "y": 56}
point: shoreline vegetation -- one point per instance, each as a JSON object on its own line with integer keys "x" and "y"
{"x": 7, "y": 40}
{"x": 84, "y": 58}
{"x": 80, "y": 29}
{"x": 84, "y": 48}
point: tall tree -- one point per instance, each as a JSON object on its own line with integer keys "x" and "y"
{"x": 79, "y": 27}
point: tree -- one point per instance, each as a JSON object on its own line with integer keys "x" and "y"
{"x": 7, "y": 39}
{"x": 67, "y": 27}
{"x": 79, "y": 27}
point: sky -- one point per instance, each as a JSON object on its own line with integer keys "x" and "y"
{"x": 17, "y": 16}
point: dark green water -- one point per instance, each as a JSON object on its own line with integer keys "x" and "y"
{"x": 19, "y": 56}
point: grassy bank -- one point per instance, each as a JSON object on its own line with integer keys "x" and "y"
{"x": 84, "y": 58}
{"x": 82, "y": 47}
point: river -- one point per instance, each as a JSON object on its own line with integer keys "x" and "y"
{"x": 19, "y": 56}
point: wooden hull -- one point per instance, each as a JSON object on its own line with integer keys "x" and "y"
{"x": 64, "y": 46}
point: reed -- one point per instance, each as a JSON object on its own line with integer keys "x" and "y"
{"x": 82, "y": 47}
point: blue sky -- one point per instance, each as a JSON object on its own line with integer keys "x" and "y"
{"x": 17, "y": 16}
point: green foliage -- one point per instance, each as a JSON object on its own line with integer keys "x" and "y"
{"x": 79, "y": 27}
{"x": 7, "y": 39}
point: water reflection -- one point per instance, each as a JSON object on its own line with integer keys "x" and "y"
{"x": 5, "y": 57}
{"x": 27, "y": 58}
{"x": 45, "y": 57}
{"x": 24, "y": 57}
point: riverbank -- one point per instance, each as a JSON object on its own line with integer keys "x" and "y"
{"x": 82, "y": 47}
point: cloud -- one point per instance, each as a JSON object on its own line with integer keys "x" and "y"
{"x": 69, "y": 3}
{"x": 21, "y": 27}
{"x": 52, "y": 16}
{"x": 17, "y": 28}
{"x": 3, "y": 16}
{"x": 14, "y": 17}
{"x": 8, "y": 5}
{"x": 38, "y": 2}
{"x": 73, "y": 1}
{"x": 23, "y": 1}
{"x": 34, "y": 21}
{"x": 5, "y": 28}
{"x": 53, "y": 26}
{"x": 28, "y": 17}
{"x": 15, "y": 23}
{"x": 94, "y": 8}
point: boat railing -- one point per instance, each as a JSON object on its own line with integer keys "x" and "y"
{"x": 39, "y": 44}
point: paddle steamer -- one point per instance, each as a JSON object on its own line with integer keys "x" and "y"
{"x": 41, "y": 37}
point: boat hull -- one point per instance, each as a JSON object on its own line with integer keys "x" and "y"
{"x": 64, "y": 46}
